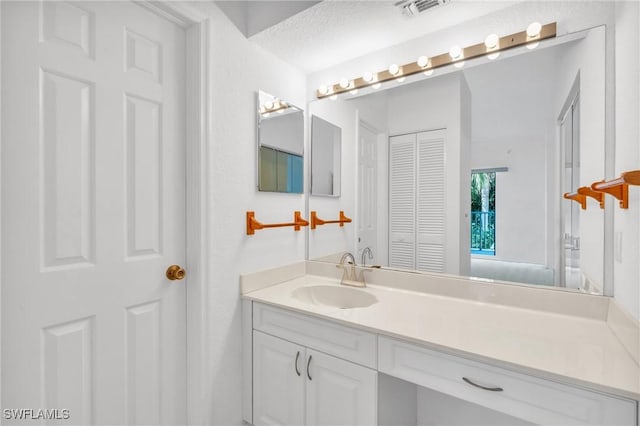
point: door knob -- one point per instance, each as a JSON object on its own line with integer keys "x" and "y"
{"x": 175, "y": 272}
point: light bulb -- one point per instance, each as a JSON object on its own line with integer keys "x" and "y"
{"x": 394, "y": 69}
{"x": 368, "y": 77}
{"x": 532, "y": 46}
{"x": 333, "y": 97}
{"x": 493, "y": 55}
{"x": 344, "y": 83}
{"x": 323, "y": 90}
{"x": 268, "y": 105}
{"x": 533, "y": 30}
{"x": 400, "y": 80}
{"x": 428, "y": 72}
{"x": 491, "y": 42}
{"x": 376, "y": 86}
{"x": 455, "y": 52}
{"x": 423, "y": 61}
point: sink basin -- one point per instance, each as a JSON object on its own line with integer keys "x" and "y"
{"x": 338, "y": 297}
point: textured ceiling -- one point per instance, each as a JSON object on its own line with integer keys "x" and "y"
{"x": 335, "y": 31}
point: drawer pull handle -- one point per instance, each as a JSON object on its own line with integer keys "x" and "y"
{"x": 297, "y": 357}
{"x": 482, "y": 387}
{"x": 309, "y": 362}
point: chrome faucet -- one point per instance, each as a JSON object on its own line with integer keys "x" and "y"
{"x": 367, "y": 250}
{"x": 347, "y": 255}
{"x": 349, "y": 274}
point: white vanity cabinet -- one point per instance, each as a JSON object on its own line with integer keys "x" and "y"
{"x": 304, "y": 371}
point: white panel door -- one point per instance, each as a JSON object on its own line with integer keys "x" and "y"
{"x": 430, "y": 201}
{"x": 368, "y": 193}
{"x": 340, "y": 392}
{"x": 93, "y": 183}
{"x": 402, "y": 203}
{"x": 279, "y": 374}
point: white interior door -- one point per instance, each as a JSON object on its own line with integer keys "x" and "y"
{"x": 368, "y": 194}
{"x": 93, "y": 184}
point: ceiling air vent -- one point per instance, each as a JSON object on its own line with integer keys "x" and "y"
{"x": 416, "y": 7}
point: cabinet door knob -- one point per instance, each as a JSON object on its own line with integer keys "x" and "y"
{"x": 482, "y": 387}
{"x": 296, "y": 365}
{"x": 308, "y": 363}
{"x": 175, "y": 272}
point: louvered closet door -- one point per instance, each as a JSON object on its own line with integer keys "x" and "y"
{"x": 402, "y": 187}
{"x": 430, "y": 201}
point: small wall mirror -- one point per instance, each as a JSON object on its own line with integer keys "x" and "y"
{"x": 280, "y": 145}
{"x": 326, "y": 154}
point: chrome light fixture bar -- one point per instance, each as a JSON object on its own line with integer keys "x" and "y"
{"x": 275, "y": 105}
{"x": 534, "y": 33}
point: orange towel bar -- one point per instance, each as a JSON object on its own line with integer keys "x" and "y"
{"x": 577, "y": 197}
{"x": 253, "y": 225}
{"x": 596, "y": 195}
{"x": 315, "y": 220}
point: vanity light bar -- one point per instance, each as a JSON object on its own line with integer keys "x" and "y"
{"x": 481, "y": 49}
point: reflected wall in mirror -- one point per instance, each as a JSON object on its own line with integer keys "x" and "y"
{"x": 326, "y": 154}
{"x": 280, "y": 145}
{"x": 470, "y": 166}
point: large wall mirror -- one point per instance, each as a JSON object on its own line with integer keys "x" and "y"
{"x": 326, "y": 155}
{"x": 280, "y": 145}
{"x": 469, "y": 167}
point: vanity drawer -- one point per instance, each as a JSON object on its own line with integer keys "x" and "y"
{"x": 325, "y": 336}
{"x": 537, "y": 400}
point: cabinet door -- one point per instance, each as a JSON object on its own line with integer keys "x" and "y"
{"x": 430, "y": 202}
{"x": 278, "y": 381}
{"x": 339, "y": 392}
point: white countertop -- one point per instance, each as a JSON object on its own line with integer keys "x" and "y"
{"x": 572, "y": 349}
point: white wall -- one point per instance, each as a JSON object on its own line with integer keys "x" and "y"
{"x": 627, "y": 222}
{"x": 238, "y": 70}
{"x": 464, "y": 176}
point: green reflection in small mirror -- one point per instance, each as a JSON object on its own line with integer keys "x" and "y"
{"x": 280, "y": 171}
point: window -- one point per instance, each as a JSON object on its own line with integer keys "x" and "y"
{"x": 483, "y": 213}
